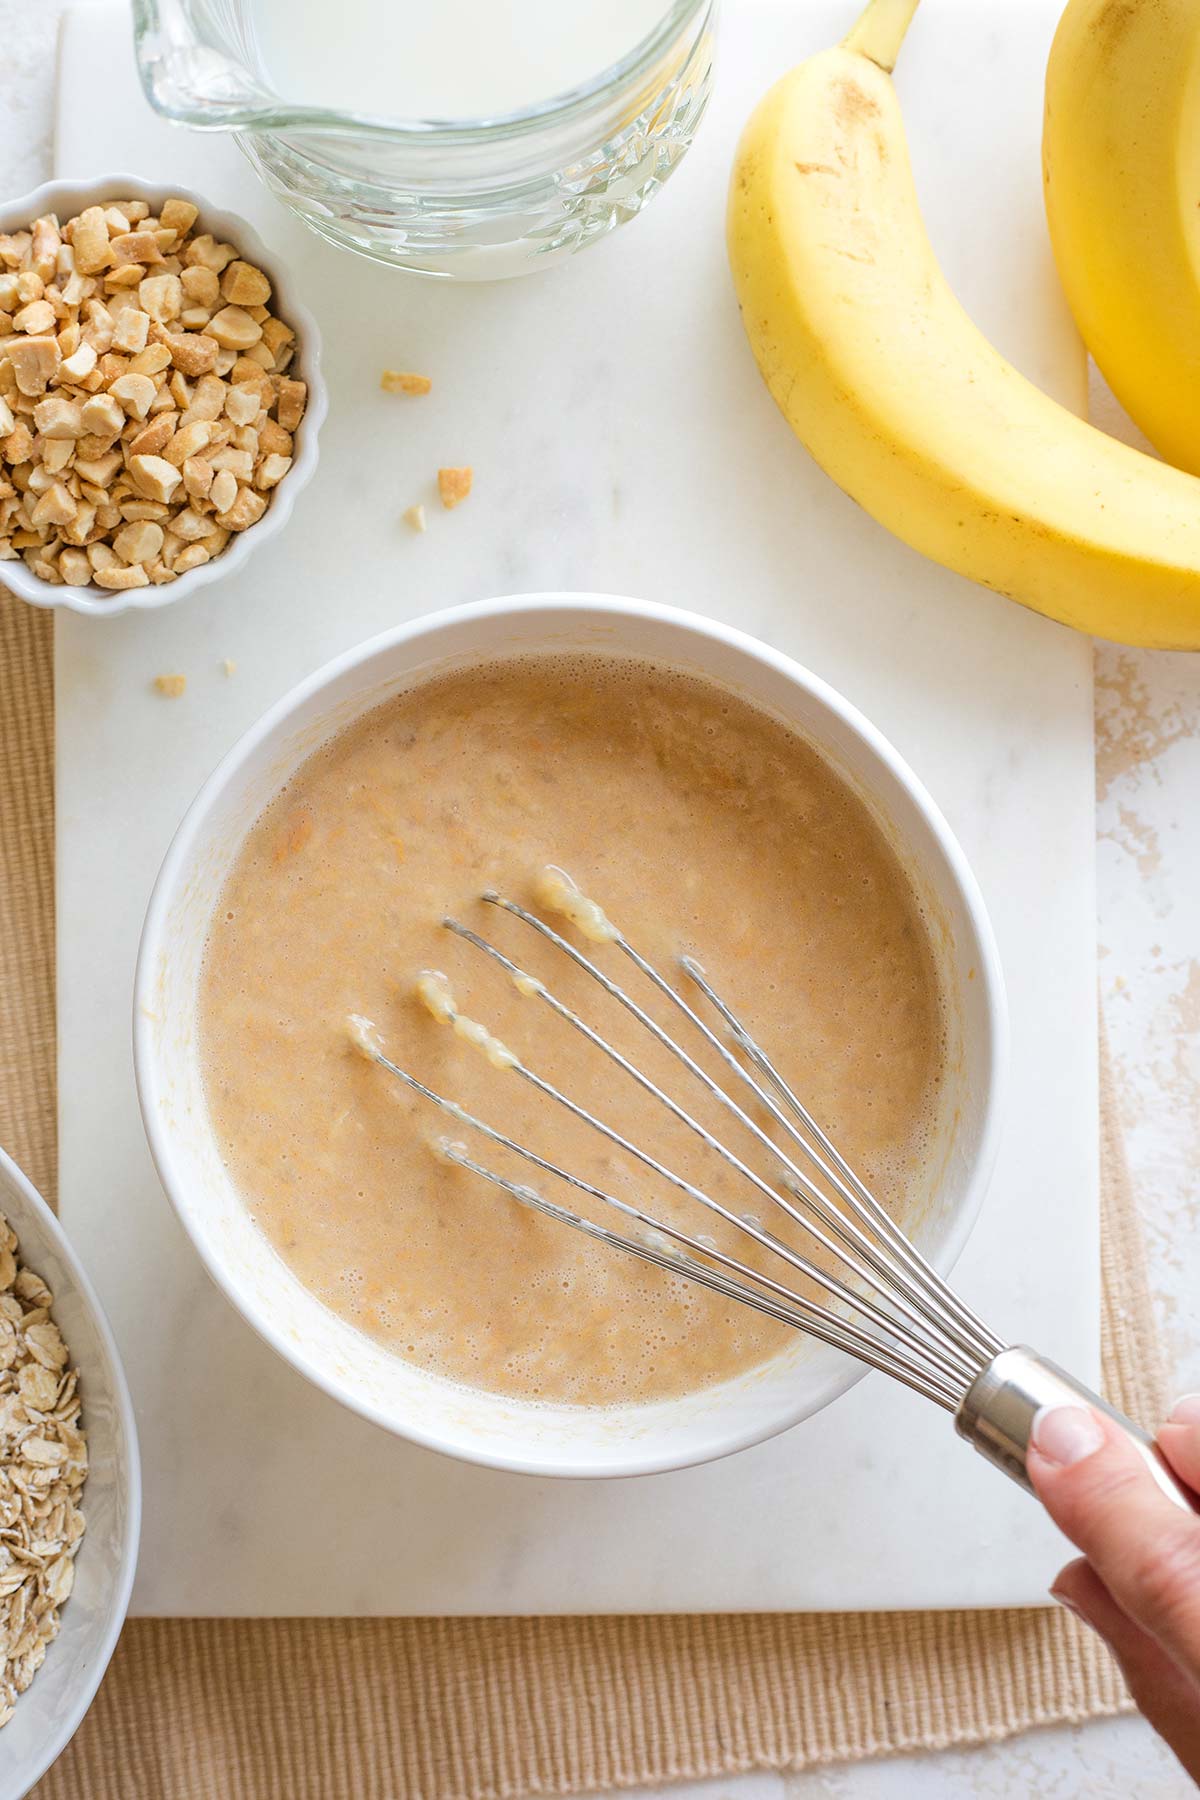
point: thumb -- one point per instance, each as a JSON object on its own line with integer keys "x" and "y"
{"x": 1145, "y": 1549}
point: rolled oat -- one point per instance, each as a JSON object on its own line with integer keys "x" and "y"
{"x": 43, "y": 1466}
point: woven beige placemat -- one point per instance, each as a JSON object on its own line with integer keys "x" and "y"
{"x": 480, "y": 1709}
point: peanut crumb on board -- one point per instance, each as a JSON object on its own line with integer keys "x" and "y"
{"x": 454, "y": 485}
{"x": 400, "y": 381}
{"x": 170, "y": 686}
{"x": 229, "y": 666}
{"x": 415, "y": 516}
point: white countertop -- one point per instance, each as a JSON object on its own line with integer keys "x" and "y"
{"x": 1148, "y": 722}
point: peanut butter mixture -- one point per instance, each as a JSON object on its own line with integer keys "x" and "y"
{"x": 700, "y": 825}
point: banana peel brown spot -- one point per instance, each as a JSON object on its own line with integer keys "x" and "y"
{"x": 852, "y": 105}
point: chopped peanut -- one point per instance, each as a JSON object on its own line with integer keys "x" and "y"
{"x": 135, "y": 247}
{"x": 74, "y": 567}
{"x": 208, "y": 398}
{"x": 44, "y": 248}
{"x": 79, "y": 364}
{"x": 56, "y": 453}
{"x": 89, "y": 240}
{"x": 191, "y": 558}
{"x": 56, "y": 506}
{"x": 150, "y": 440}
{"x": 190, "y": 526}
{"x": 224, "y": 489}
{"x": 154, "y": 477}
{"x": 58, "y": 418}
{"x": 103, "y": 415}
{"x": 242, "y": 403}
{"x": 246, "y": 510}
{"x": 234, "y": 329}
{"x": 201, "y": 287}
{"x": 415, "y": 516}
{"x": 135, "y": 392}
{"x": 240, "y": 461}
{"x": 397, "y": 381}
{"x": 454, "y": 485}
{"x": 178, "y": 215}
{"x": 18, "y": 445}
{"x": 123, "y": 280}
{"x": 192, "y": 352}
{"x": 130, "y": 327}
{"x": 245, "y": 285}
{"x": 150, "y": 361}
{"x": 292, "y": 398}
{"x": 271, "y": 471}
{"x": 277, "y": 336}
{"x": 197, "y": 477}
{"x": 161, "y": 296}
{"x": 121, "y": 576}
{"x": 139, "y": 542}
{"x": 273, "y": 440}
{"x": 35, "y": 361}
{"x": 189, "y": 440}
{"x": 209, "y": 254}
{"x": 145, "y": 509}
{"x": 37, "y": 317}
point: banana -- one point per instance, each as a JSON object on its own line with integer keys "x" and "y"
{"x": 1120, "y": 155}
{"x": 903, "y": 401}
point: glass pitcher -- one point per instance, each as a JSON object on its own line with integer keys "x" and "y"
{"x": 476, "y": 194}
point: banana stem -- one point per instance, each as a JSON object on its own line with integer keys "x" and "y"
{"x": 879, "y": 31}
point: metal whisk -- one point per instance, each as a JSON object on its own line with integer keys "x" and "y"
{"x": 889, "y": 1308}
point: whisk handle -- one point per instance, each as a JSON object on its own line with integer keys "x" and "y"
{"x": 1000, "y": 1406}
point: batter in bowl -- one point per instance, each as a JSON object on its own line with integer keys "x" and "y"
{"x": 701, "y": 824}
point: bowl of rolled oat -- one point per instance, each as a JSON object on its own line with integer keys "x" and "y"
{"x": 70, "y": 1490}
{"x": 160, "y": 394}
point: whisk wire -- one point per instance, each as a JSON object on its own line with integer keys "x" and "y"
{"x": 945, "y": 1355}
{"x": 855, "y": 1247}
{"x": 855, "y": 1193}
{"x": 801, "y": 1315}
{"x": 790, "y": 1309}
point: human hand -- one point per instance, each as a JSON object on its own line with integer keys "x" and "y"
{"x": 1138, "y": 1580}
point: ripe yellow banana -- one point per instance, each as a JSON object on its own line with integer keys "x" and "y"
{"x": 1120, "y": 157}
{"x": 901, "y": 398}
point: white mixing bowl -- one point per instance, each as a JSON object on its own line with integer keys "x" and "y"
{"x": 481, "y": 1427}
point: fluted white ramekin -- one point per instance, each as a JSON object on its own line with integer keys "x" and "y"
{"x": 66, "y": 198}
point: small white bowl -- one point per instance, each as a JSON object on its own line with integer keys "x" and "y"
{"x": 66, "y": 198}
{"x": 50, "y": 1711}
{"x": 477, "y": 1426}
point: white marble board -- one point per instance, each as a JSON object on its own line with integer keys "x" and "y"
{"x": 622, "y": 442}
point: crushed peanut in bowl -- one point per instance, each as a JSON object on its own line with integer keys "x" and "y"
{"x": 146, "y": 410}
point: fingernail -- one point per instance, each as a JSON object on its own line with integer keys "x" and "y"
{"x": 1066, "y": 1434}
{"x": 1186, "y": 1410}
{"x": 1070, "y": 1606}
